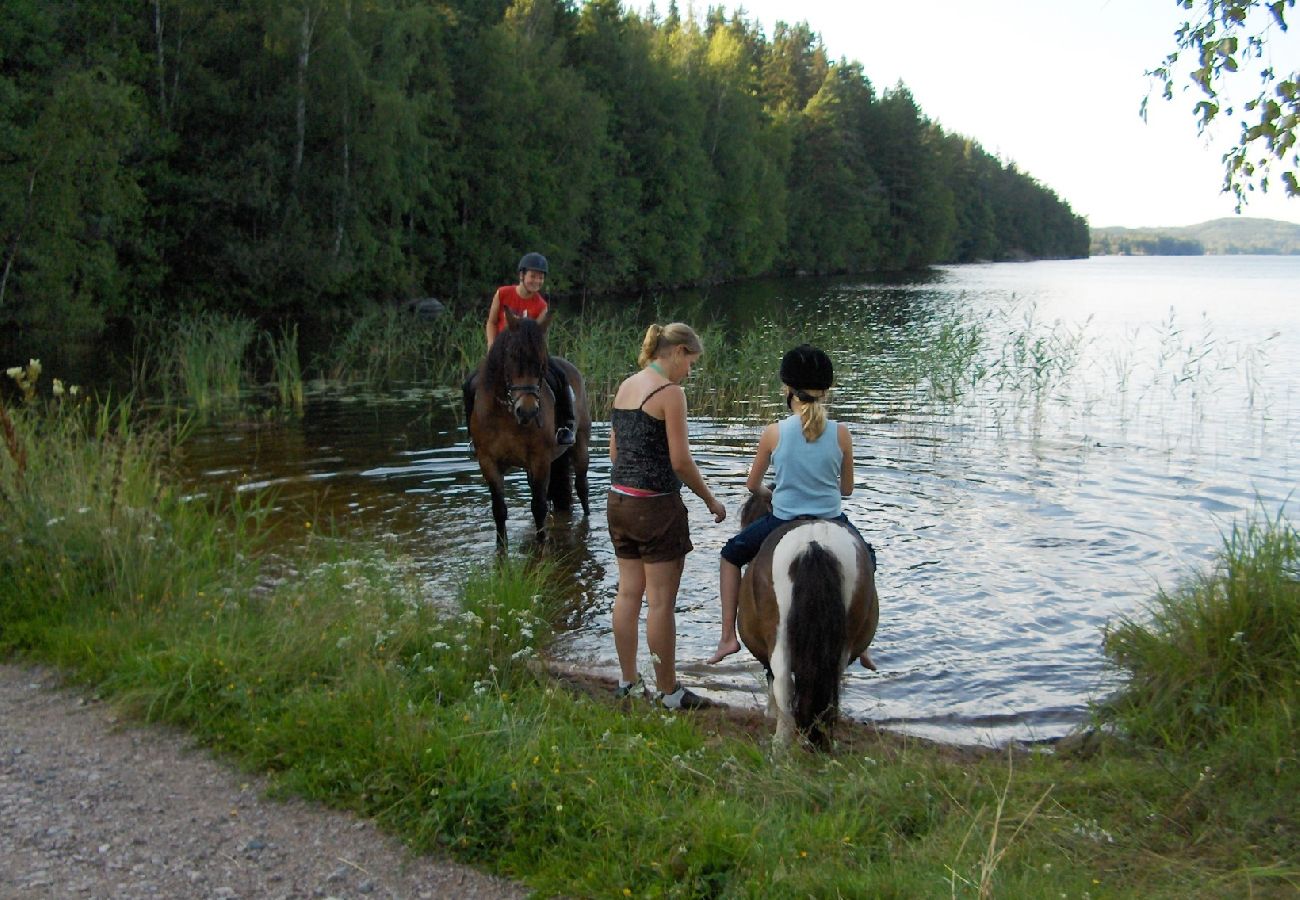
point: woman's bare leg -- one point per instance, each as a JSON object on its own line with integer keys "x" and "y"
{"x": 661, "y": 582}
{"x": 627, "y": 615}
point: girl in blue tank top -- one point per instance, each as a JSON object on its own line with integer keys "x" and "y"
{"x": 813, "y": 459}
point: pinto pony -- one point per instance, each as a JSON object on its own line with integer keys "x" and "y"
{"x": 808, "y": 606}
{"x": 513, "y": 424}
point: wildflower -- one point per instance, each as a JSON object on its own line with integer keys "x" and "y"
{"x": 74, "y": 390}
{"x": 14, "y": 371}
{"x": 58, "y": 387}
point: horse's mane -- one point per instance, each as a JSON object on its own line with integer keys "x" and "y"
{"x": 757, "y": 505}
{"x": 521, "y": 348}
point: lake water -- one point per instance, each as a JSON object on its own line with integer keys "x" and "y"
{"x": 1110, "y": 419}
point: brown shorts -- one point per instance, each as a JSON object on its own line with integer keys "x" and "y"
{"x": 651, "y": 529}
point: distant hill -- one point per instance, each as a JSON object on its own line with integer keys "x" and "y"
{"x": 1232, "y": 235}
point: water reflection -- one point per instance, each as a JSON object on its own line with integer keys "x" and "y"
{"x": 1012, "y": 518}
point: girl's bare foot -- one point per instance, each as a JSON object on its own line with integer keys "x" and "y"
{"x": 725, "y": 649}
{"x": 866, "y": 661}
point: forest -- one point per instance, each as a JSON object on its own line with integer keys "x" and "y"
{"x": 288, "y": 159}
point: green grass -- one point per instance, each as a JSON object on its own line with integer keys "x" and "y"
{"x": 338, "y": 676}
{"x": 1213, "y": 663}
{"x": 286, "y": 368}
{"x": 385, "y": 345}
{"x": 210, "y": 357}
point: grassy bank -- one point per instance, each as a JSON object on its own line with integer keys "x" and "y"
{"x": 336, "y": 675}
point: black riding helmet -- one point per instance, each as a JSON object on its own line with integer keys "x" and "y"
{"x": 533, "y": 261}
{"x": 805, "y": 368}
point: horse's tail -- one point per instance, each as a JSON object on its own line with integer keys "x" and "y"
{"x": 815, "y": 632}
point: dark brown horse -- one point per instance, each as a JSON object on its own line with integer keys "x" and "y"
{"x": 808, "y": 607}
{"x": 513, "y": 424}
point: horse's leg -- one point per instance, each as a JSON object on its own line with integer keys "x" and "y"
{"x": 580, "y": 462}
{"x": 781, "y": 688}
{"x": 560, "y": 490}
{"x": 581, "y": 452}
{"x": 779, "y": 709}
{"x": 539, "y": 483}
{"x": 496, "y": 487}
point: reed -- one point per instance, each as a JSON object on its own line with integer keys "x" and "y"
{"x": 731, "y": 372}
{"x": 286, "y": 368}
{"x": 206, "y": 355}
{"x": 603, "y": 348}
{"x": 385, "y": 345}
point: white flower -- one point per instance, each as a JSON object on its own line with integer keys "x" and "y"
{"x": 58, "y": 387}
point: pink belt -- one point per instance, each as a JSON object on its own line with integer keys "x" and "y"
{"x": 635, "y": 492}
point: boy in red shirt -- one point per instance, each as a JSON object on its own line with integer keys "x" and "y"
{"x": 525, "y": 299}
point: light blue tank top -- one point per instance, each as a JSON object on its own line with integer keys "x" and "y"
{"x": 807, "y": 475}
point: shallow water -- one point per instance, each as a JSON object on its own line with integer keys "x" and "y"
{"x": 1152, "y": 406}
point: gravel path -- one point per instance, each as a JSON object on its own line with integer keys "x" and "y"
{"x": 93, "y": 808}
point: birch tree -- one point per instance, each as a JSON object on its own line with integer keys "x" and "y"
{"x": 1218, "y": 46}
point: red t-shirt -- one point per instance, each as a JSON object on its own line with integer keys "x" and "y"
{"x": 532, "y": 307}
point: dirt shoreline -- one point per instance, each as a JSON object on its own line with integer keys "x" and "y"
{"x": 94, "y": 806}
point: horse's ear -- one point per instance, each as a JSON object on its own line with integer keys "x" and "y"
{"x": 512, "y": 317}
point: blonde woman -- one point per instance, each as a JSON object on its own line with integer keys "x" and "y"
{"x": 648, "y": 525}
{"x": 813, "y": 457}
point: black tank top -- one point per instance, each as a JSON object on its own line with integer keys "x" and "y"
{"x": 642, "y": 440}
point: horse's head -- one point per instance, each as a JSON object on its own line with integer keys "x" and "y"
{"x": 757, "y": 505}
{"x": 520, "y": 357}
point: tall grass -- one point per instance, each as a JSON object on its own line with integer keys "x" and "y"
{"x": 1219, "y": 656}
{"x": 732, "y": 371}
{"x": 211, "y": 357}
{"x": 383, "y": 346}
{"x": 93, "y": 513}
{"x": 202, "y": 359}
{"x": 286, "y": 367}
{"x": 604, "y": 350}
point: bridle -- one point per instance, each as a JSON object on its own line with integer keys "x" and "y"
{"x": 510, "y": 399}
{"x": 515, "y": 392}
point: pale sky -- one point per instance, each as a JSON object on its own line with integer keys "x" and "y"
{"x": 1054, "y": 86}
